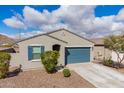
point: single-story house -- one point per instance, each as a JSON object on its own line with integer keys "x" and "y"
{"x": 73, "y": 48}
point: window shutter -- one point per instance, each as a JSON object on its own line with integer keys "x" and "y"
{"x": 42, "y": 49}
{"x": 30, "y": 52}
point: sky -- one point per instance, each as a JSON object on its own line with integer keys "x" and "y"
{"x": 87, "y": 21}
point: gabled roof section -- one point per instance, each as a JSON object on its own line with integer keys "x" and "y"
{"x": 72, "y": 33}
{"x": 47, "y": 34}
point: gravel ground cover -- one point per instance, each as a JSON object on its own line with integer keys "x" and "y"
{"x": 40, "y": 79}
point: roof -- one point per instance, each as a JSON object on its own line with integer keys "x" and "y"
{"x": 47, "y": 34}
{"x": 8, "y": 50}
{"x": 98, "y": 41}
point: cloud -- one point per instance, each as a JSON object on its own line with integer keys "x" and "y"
{"x": 120, "y": 16}
{"x": 14, "y": 23}
{"x": 79, "y": 19}
{"x": 36, "y": 19}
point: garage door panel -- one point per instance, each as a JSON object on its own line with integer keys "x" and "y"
{"x": 77, "y": 55}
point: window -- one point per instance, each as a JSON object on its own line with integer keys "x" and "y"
{"x": 34, "y": 52}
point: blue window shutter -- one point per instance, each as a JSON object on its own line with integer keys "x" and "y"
{"x": 42, "y": 49}
{"x": 29, "y": 52}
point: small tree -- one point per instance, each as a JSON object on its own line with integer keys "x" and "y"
{"x": 116, "y": 44}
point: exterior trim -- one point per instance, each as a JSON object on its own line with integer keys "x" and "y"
{"x": 78, "y": 46}
{"x": 36, "y": 45}
{"x": 36, "y": 60}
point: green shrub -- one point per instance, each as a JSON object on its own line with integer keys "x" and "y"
{"x": 5, "y": 57}
{"x": 4, "y": 64}
{"x": 4, "y": 68}
{"x": 108, "y": 62}
{"x": 66, "y": 73}
{"x": 50, "y": 59}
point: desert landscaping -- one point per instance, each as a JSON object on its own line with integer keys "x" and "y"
{"x": 41, "y": 79}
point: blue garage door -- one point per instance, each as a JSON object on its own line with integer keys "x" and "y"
{"x": 77, "y": 55}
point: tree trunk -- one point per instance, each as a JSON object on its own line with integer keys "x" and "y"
{"x": 119, "y": 59}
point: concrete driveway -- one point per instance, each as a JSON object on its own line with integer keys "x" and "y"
{"x": 99, "y": 75}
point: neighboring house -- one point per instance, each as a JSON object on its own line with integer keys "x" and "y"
{"x": 100, "y": 51}
{"x": 72, "y": 48}
{"x": 7, "y": 49}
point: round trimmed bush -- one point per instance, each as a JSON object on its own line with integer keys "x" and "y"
{"x": 50, "y": 59}
{"x": 66, "y": 73}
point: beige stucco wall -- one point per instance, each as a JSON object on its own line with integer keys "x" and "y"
{"x": 48, "y": 42}
{"x": 100, "y": 53}
{"x": 14, "y": 59}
